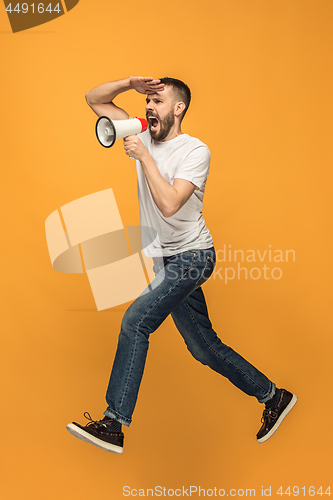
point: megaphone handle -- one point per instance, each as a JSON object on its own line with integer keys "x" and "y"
{"x": 131, "y": 157}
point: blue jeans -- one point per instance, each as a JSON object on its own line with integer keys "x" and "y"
{"x": 176, "y": 290}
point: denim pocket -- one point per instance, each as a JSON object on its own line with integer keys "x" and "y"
{"x": 180, "y": 264}
{"x": 208, "y": 270}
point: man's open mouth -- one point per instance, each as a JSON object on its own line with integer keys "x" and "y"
{"x": 153, "y": 122}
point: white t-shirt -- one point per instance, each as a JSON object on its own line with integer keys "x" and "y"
{"x": 183, "y": 157}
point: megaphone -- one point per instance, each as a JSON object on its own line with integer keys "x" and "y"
{"x": 108, "y": 131}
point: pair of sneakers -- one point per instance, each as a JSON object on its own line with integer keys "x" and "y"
{"x": 107, "y": 434}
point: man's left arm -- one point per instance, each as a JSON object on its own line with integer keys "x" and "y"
{"x": 169, "y": 199}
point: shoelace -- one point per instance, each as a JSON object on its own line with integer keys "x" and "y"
{"x": 91, "y": 421}
{"x": 107, "y": 425}
{"x": 270, "y": 414}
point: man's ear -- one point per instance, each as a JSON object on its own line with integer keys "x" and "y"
{"x": 179, "y": 108}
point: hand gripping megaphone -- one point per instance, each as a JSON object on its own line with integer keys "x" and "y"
{"x": 108, "y": 131}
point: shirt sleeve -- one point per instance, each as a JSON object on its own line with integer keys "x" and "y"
{"x": 195, "y": 167}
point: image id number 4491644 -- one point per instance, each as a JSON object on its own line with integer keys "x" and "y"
{"x": 33, "y": 8}
{"x": 304, "y": 491}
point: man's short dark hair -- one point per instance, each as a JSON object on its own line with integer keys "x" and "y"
{"x": 181, "y": 89}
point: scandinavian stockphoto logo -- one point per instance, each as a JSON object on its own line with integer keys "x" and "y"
{"x": 23, "y": 16}
{"x": 88, "y": 236}
{"x": 238, "y": 264}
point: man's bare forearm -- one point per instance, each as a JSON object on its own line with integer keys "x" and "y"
{"x": 106, "y": 92}
{"x": 164, "y": 195}
{"x": 100, "y": 99}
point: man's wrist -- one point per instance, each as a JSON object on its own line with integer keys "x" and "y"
{"x": 128, "y": 83}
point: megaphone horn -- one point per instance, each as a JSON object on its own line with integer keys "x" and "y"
{"x": 108, "y": 131}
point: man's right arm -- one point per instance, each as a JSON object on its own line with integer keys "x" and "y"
{"x": 100, "y": 99}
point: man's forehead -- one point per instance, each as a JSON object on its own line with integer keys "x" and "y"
{"x": 165, "y": 93}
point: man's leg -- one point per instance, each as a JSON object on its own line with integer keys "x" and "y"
{"x": 173, "y": 283}
{"x": 192, "y": 320}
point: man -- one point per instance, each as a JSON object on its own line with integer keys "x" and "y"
{"x": 172, "y": 170}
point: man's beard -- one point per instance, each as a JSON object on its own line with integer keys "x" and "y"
{"x": 165, "y": 126}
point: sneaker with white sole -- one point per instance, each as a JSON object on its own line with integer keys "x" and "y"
{"x": 273, "y": 416}
{"x": 100, "y": 433}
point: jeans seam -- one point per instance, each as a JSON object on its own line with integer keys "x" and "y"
{"x": 161, "y": 298}
{"x": 216, "y": 353}
{"x": 203, "y": 272}
{"x": 116, "y": 415}
{"x": 130, "y": 369}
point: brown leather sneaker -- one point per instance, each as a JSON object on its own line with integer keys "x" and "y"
{"x": 98, "y": 433}
{"x": 272, "y": 417}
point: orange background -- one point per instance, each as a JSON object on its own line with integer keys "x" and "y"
{"x": 261, "y": 78}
